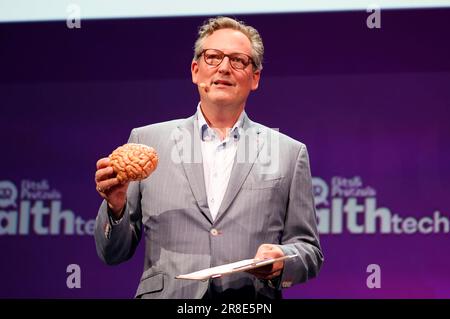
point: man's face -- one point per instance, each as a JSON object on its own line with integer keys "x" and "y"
{"x": 225, "y": 85}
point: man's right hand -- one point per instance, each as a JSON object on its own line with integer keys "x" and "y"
{"x": 109, "y": 188}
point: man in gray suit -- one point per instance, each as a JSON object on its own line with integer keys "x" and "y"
{"x": 225, "y": 189}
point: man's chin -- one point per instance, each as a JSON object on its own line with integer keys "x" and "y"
{"x": 222, "y": 98}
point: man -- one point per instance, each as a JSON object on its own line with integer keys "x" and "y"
{"x": 225, "y": 189}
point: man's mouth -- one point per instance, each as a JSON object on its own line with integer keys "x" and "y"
{"x": 222, "y": 82}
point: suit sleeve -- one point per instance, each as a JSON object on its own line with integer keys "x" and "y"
{"x": 116, "y": 242}
{"x": 300, "y": 234}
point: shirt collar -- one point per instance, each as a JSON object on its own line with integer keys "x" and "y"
{"x": 207, "y": 133}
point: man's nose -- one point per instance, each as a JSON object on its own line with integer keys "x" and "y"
{"x": 225, "y": 66}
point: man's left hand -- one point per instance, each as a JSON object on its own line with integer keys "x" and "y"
{"x": 269, "y": 271}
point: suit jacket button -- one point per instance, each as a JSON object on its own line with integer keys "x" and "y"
{"x": 214, "y": 232}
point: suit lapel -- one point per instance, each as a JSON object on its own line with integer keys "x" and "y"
{"x": 249, "y": 146}
{"x": 190, "y": 152}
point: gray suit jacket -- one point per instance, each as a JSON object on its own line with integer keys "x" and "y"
{"x": 268, "y": 200}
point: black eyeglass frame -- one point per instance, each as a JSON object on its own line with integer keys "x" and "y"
{"x": 251, "y": 61}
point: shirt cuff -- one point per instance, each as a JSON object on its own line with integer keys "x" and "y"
{"x": 112, "y": 220}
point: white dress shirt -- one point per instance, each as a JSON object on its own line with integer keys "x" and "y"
{"x": 218, "y": 159}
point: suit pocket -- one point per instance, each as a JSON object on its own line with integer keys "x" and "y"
{"x": 262, "y": 184}
{"x": 150, "y": 284}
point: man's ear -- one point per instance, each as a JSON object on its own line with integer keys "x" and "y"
{"x": 194, "y": 71}
{"x": 255, "y": 79}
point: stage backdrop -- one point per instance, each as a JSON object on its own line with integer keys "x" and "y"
{"x": 371, "y": 104}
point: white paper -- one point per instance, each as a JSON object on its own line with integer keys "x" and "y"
{"x": 234, "y": 267}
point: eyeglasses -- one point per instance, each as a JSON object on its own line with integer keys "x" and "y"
{"x": 238, "y": 61}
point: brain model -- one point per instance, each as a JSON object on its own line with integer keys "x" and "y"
{"x": 133, "y": 162}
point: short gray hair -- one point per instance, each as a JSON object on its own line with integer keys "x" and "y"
{"x": 219, "y": 23}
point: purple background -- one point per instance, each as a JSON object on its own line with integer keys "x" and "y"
{"x": 373, "y": 103}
